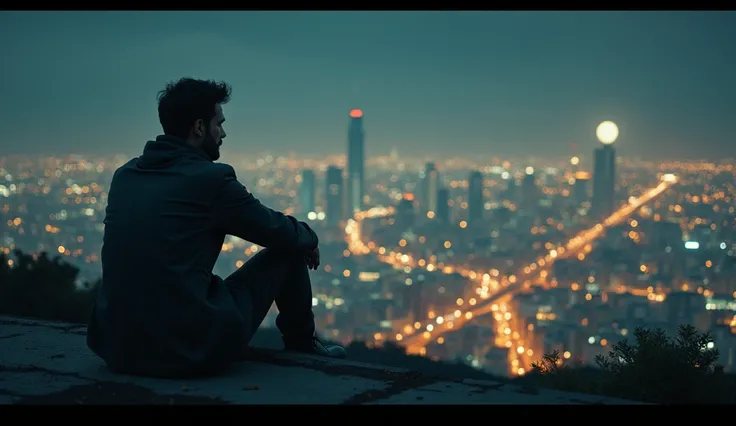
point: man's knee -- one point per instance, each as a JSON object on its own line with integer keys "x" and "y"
{"x": 282, "y": 259}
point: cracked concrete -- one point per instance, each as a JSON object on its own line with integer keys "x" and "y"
{"x": 49, "y": 363}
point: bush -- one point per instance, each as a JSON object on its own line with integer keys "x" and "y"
{"x": 41, "y": 287}
{"x": 655, "y": 368}
{"x": 573, "y": 377}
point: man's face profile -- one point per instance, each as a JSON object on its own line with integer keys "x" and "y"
{"x": 214, "y": 134}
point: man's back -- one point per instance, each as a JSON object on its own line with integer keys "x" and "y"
{"x": 160, "y": 310}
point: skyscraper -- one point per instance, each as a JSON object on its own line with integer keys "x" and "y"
{"x": 307, "y": 192}
{"x": 405, "y": 211}
{"x": 356, "y": 160}
{"x": 604, "y": 179}
{"x": 604, "y": 170}
{"x": 580, "y": 187}
{"x": 510, "y": 191}
{"x": 333, "y": 195}
{"x": 443, "y": 207}
{"x": 529, "y": 190}
{"x": 475, "y": 197}
{"x": 431, "y": 184}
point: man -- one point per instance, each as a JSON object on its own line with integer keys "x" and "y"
{"x": 160, "y": 310}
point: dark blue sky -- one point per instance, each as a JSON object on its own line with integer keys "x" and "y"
{"x": 444, "y": 82}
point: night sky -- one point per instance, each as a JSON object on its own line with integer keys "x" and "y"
{"x": 507, "y": 83}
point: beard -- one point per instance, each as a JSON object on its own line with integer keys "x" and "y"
{"x": 210, "y": 146}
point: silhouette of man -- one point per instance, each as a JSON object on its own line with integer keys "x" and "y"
{"x": 160, "y": 311}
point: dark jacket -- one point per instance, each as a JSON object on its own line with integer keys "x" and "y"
{"x": 160, "y": 311}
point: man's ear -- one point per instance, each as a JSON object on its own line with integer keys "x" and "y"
{"x": 199, "y": 128}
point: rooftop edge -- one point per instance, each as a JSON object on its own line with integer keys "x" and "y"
{"x": 46, "y": 362}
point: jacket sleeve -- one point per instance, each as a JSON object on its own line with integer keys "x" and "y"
{"x": 239, "y": 213}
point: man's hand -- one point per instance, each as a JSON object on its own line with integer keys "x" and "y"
{"x": 312, "y": 259}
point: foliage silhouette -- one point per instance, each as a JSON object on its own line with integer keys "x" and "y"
{"x": 40, "y": 287}
{"x": 655, "y": 368}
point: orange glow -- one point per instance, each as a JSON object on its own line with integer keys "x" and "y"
{"x": 356, "y": 113}
{"x": 409, "y": 196}
{"x": 582, "y": 175}
{"x": 496, "y": 294}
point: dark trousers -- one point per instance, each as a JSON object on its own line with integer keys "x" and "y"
{"x": 272, "y": 276}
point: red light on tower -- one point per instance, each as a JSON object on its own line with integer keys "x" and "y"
{"x": 356, "y": 113}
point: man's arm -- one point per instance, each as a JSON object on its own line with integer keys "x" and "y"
{"x": 239, "y": 213}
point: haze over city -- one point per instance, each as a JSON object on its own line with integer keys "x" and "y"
{"x": 487, "y": 187}
{"x": 511, "y": 83}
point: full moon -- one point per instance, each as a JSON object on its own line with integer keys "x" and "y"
{"x": 607, "y": 132}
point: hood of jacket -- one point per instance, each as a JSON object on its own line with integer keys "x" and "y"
{"x": 166, "y": 150}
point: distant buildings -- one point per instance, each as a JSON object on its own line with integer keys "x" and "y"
{"x": 334, "y": 195}
{"x": 430, "y": 185}
{"x": 475, "y": 197}
{"x": 307, "y": 192}
{"x": 604, "y": 171}
{"x": 356, "y": 161}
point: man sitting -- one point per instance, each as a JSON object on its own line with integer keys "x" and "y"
{"x": 160, "y": 310}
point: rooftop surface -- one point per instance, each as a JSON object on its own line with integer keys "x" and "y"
{"x": 45, "y": 362}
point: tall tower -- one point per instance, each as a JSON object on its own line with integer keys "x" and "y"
{"x": 356, "y": 161}
{"x": 333, "y": 195}
{"x": 443, "y": 206}
{"x": 580, "y": 187}
{"x": 475, "y": 197}
{"x": 529, "y": 190}
{"x": 604, "y": 170}
{"x": 405, "y": 211}
{"x": 431, "y": 184}
{"x": 307, "y": 192}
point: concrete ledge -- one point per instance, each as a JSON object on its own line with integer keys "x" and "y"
{"x": 45, "y": 362}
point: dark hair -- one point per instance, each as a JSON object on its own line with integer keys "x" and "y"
{"x": 183, "y": 102}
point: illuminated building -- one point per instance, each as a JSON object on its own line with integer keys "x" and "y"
{"x": 307, "y": 192}
{"x": 334, "y": 195}
{"x": 356, "y": 161}
{"x": 475, "y": 197}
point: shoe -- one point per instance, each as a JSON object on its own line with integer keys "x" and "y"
{"x": 316, "y": 347}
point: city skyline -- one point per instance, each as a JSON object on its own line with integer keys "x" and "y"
{"x": 490, "y": 256}
{"x": 506, "y": 83}
{"x": 517, "y": 270}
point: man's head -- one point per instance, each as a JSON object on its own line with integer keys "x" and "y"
{"x": 192, "y": 110}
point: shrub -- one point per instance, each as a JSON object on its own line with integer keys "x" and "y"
{"x": 45, "y": 288}
{"x": 655, "y": 368}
